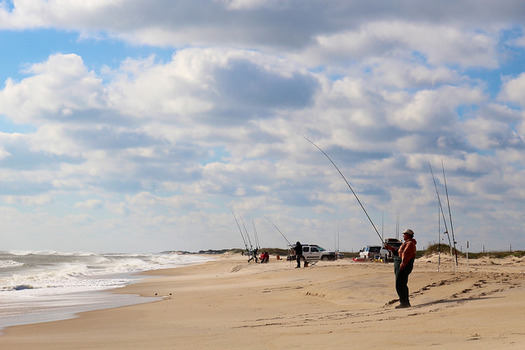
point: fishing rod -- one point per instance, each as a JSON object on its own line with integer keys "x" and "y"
{"x": 282, "y": 234}
{"x": 449, "y": 212}
{"x": 240, "y": 231}
{"x": 383, "y": 226}
{"x": 397, "y": 224}
{"x": 337, "y": 243}
{"x": 252, "y": 252}
{"x": 257, "y": 243}
{"x": 442, "y": 212}
{"x": 351, "y": 189}
{"x": 247, "y": 235}
{"x": 439, "y": 240}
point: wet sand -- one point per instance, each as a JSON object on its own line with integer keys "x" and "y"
{"x": 232, "y": 304}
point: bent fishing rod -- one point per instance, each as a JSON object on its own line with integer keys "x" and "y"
{"x": 439, "y": 200}
{"x": 247, "y": 235}
{"x": 350, "y": 187}
{"x": 282, "y": 234}
{"x": 442, "y": 212}
{"x": 240, "y": 231}
{"x": 257, "y": 244}
{"x": 449, "y": 211}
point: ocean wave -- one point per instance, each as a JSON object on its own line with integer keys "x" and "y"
{"x": 9, "y": 264}
{"x": 83, "y": 271}
{"x": 47, "y": 252}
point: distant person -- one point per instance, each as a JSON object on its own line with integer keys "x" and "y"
{"x": 253, "y": 255}
{"x": 264, "y": 257}
{"x": 404, "y": 257}
{"x": 298, "y": 253}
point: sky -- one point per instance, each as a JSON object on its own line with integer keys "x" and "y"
{"x": 141, "y": 126}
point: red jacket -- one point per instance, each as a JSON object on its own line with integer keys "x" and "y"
{"x": 407, "y": 252}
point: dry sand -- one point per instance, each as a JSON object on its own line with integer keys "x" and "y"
{"x": 230, "y": 304}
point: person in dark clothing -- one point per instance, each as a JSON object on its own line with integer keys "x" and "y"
{"x": 404, "y": 258}
{"x": 253, "y": 255}
{"x": 298, "y": 253}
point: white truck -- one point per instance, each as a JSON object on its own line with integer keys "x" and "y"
{"x": 376, "y": 252}
{"x": 315, "y": 252}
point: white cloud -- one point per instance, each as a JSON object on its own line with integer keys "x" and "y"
{"x": 406, "y": 74}
{"x": 39, "y": 200}
{"x": 434, "y": 109}
{"x": 512, "y": 90}
{"x": 487, "y": 134}
{"x": 57, "y": 86}
{"x": 204, "y": 82}
{"x": 89, "y": 204}
{"x": 179, "y": 87}
{"x": 437, "y": 43}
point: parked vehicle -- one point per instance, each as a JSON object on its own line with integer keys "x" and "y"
{"x": 315, "y": 252}
{"x": 374, "y": 252}
{"x": 393, "y": 242}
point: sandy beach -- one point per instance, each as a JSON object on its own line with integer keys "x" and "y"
{"x": 232, "y": 304}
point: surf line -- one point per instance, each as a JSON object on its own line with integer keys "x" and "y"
{"x": 350, "y": 187}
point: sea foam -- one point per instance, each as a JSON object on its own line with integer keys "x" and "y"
{"x": 44, "y": 286}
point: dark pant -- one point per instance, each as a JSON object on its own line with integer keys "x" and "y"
{"x": 299, "y": 257}
{"x": 402, "y": 279}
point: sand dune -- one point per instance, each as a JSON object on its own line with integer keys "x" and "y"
{"x": 230, "y": 304}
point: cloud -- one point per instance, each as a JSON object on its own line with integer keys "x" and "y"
{"x": 492, "y": 134}
{"x": 512, "y": 90}
{"x": 90, "y": 204}
{"x": 435, "y": 109}
{"x": 153, "y": 149}
{"x": 38, "y": 200}
{"x": 255, "y": 23}
{"x": 402, "y": 73}
{"x": 437, "y": 44}
{"x": 54, "y": 90}
{"x": 138, "y": 109}
{"x": 205, "y": 82}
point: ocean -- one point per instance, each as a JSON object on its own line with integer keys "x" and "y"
{"x": 49, "y": 286}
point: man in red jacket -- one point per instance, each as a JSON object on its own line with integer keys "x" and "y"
{"x": 403, "y": 265}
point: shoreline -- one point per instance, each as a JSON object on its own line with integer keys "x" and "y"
{"x": 73, "y": 304}
{"x": 230, "y": 304}
{"x": 64, "y": 298}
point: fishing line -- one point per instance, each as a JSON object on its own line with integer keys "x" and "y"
{"x": 351, "y": 189}
{"x": 449, "y": 212}
{"x": 257, "y": 243}
{"x": 282, "y": 234}
{"x": 240, "y": 231}
{"x": 439, "y": 200}
{"x": 443, "y": 214}
{"x": 247, "y": 235}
